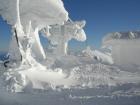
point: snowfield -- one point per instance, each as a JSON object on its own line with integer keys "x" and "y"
{"x": 86, "y": 84}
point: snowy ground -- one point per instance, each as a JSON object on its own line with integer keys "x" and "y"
{"x": 89, "y": 96}
{"x": 81, "y": 84}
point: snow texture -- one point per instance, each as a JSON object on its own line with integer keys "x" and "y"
{"x": 34, "y": 11}
{"x": 102, "y": 55}
{"x": 60, "y": 35}
{"x": 78, "y": 80}
{"x": 25, "y": 78}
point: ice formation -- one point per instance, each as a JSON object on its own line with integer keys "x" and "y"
{"x": 34, "y": 11}
{"x": 103, "y": 55}
{"x": 60, "y": 35}
{"x": 83, "y": 76}
{"x": 27, "y": 20}
{"x": 125, "y": 47}
{"x": 71, "y": 79}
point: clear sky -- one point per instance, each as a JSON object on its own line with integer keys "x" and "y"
{"x": 102, "y": 16}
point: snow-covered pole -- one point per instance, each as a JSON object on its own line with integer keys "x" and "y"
{"x": 15, "y": 52}
{"x": 17, "y": 25}
{"x": 18, "y": 13}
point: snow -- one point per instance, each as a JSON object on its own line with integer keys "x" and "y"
{"x": 36, "y": 78}
{"x": 28, "y": 44}
{"x": 34, "y": 11}
{"x": 60, "y": 35}
{"x": 93, "y": 75}
{"x": 91, "y": 78}
{"x": 101, "y": 55}
{"x": 89, "y": 83}
{"x": 37, "y": 47}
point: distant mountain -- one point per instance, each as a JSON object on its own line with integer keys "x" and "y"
{"x": 122, "y": 35}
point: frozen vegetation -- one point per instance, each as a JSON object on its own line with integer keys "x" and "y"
{"x": 31, "y": 76}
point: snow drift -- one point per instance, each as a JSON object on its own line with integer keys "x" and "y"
{"x": 84, "y": 76}
{"x": 103, "y": 55}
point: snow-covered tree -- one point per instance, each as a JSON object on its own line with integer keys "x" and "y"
{"x": 27, "y": 18}
{"x": 40, "y": 13}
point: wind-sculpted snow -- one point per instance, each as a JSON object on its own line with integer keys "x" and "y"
{"x": 41, "y": 13}
{"x": 95, "y": 75}
{"x": 84, "y": 76}
{"x": 103, "y": 56}
{"x": 60, "y": 35}
{"x": 85, "y": 84}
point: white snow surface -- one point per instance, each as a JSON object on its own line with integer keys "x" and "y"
{"x": 103, "y": 55}
{"x": 80, "y": 83}
{"x": 25, "y": 78}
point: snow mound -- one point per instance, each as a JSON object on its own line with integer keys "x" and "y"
{"x": 27, "y": 78}
{"x": 85, "y": 76}
{"x": 103, "y": 55}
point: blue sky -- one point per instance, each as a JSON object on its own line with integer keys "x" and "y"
{"x": 102, "y": 16}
